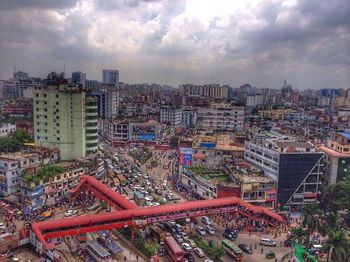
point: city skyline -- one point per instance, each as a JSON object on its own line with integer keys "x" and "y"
{"x": 167, "y": 42}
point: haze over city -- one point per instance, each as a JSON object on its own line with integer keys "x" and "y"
{"x": 176, "y": 42}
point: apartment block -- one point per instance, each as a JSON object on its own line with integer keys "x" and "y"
{"x": 221, "y": 117}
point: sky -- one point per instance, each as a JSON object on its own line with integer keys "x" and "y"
{"x": 261, "y": 42}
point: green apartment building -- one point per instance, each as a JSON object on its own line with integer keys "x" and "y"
{"x": 60, "y": 118}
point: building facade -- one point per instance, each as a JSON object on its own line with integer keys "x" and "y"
{"x": 110, "y": 77}
{"x": 210, "y": 91}
{"x": 337, "y": 159}
{"x": 296, "y": 167}
{"x": 221, "y": 117}
{"x": 170, "y": 115}
{"x": 6, "y": 129}
{"x": 78, "y": 78}
{"x": 59, "y": 118}
{"x": 91, "y": 126}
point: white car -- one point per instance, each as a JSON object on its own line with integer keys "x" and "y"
{"x": 145, "y": 176}
{"x": 199, "y": 252}
{"x": 170, "y": 193}
{"x": 201, "y": 231}
{"x": 69, "y": 213}
{"x": 208, "y": 260}
{"x": 186, "y": 247}
{"x": 210, "y": 230}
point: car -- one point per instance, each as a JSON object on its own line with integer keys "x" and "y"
{"x": 188, "y": 257}
{"x": 158, "y": 191}
{"x": 210, "y": 230}
{"x": 156, "y": 203}
{"x": 186, "y": 246}
{"x": 179, "y": 227}
{"x": 145, "y": 176}
{"x": 184, "y": 235}
{"x": 270, "y": 255}
{"x": 199, "y": 252}
{"x": 201, "y": 231}
{"x": 265, "y": 241}
{"x": 208, "y": 260}
{"x": 229, "y": 234}
{"x": 206, "y": 220}
{"x": 245, "y": 248}
{"x": 211, "y": 243}
{"x": 148, "y": 183}
{"x": 69, "y": 213}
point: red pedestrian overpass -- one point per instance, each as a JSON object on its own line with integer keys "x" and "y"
{"x": 128, "y": 215}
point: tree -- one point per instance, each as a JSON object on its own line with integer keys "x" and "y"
{"x": 337, "y": 196}
{"x": 311, "y": 220}
{"x": 329, "y": 224}
{"x": 298, "y": 234}
{"x": 337, "y": 247}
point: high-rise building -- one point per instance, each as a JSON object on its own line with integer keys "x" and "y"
{"x": 296, "y": 167}
{"x": 9, "y": 89}
{"x": 108, "y": 101}
{"x": 110, "y": 77}
{"x": 59, "y": 117}
{"x": 19, "y": 75}
{"x": 91, "y": 130}
{"x": 79, "y": 78}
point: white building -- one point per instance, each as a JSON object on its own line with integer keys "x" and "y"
{"x": 254, "y": 100}
{"x": 170, "y": 115}
{"x": 221, "y": 117}
{"x": 108, "y": 99}
{"x": 6, "y": 129}
{"x": 210, "y": 91}
{"x": 110, "y": 77}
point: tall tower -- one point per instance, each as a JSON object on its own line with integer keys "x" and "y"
{"x": 110, "y": 77}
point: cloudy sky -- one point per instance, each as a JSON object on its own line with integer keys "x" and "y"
{"x": 176, "y": 41}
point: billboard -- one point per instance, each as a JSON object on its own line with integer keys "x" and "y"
{"x": 146, "y": 137}
{"x": 186, "y": 150}
{"x": 143, "y": 129}
{"x": 186, "y": 160}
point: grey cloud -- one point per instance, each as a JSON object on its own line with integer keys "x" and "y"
{"x": 41, "y": 4}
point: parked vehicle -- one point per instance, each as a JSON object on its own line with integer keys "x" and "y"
{"x": 199, "y": 252}
{"x": 245, "y": 248}
{"x": 201, "y": 231}
{"x": 230, "y": 234}
{"x": 210, "y": 230}
{"x": 265, "y": 241}
{"x": 186, "y": 246}
{"x": 270, "y": 255}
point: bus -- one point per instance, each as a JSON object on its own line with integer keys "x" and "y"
{"x": 232, "y": 250}
{"x": 173, "y": 250}
{"x": 97, "y": 252}
{"x": 122, "y": 180}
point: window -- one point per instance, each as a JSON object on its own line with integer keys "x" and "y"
{"x": 57, "y": 103}
{"x": 57, "y": 117}
{"x": 58, "y": 139}
{"x": 37, "y": 102}
{"x": 56, "y": 95}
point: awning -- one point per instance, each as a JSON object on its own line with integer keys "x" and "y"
{"x": 310, "y": 195}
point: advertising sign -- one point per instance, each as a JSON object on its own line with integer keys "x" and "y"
{"x": 143, "y": 129}
{"x": 147, "y": 137}
{"x": 186, "y": 150}
{"x": 186, "y": 160}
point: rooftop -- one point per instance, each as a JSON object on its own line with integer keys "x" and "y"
{"x": 283, "y": 144}
{"x": 345, "y": 134}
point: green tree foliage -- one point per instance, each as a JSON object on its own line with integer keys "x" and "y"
{"x": 45, "y": 172}
{"x": 14, "y": 141}
{"x": 337, "y": 196}
{"x": 337, "y": 247}
{"x": 311, "y": 220}
{"x": 298, "y": 234}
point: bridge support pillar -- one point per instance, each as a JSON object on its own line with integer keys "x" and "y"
{"x": 132, "y": 234}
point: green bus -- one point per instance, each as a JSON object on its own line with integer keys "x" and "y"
{"x": 232, "y": 250}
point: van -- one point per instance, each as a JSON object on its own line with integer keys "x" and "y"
{"x": 265, "y": 241}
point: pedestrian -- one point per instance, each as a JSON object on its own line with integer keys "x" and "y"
{"x": 262, "y": 250}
